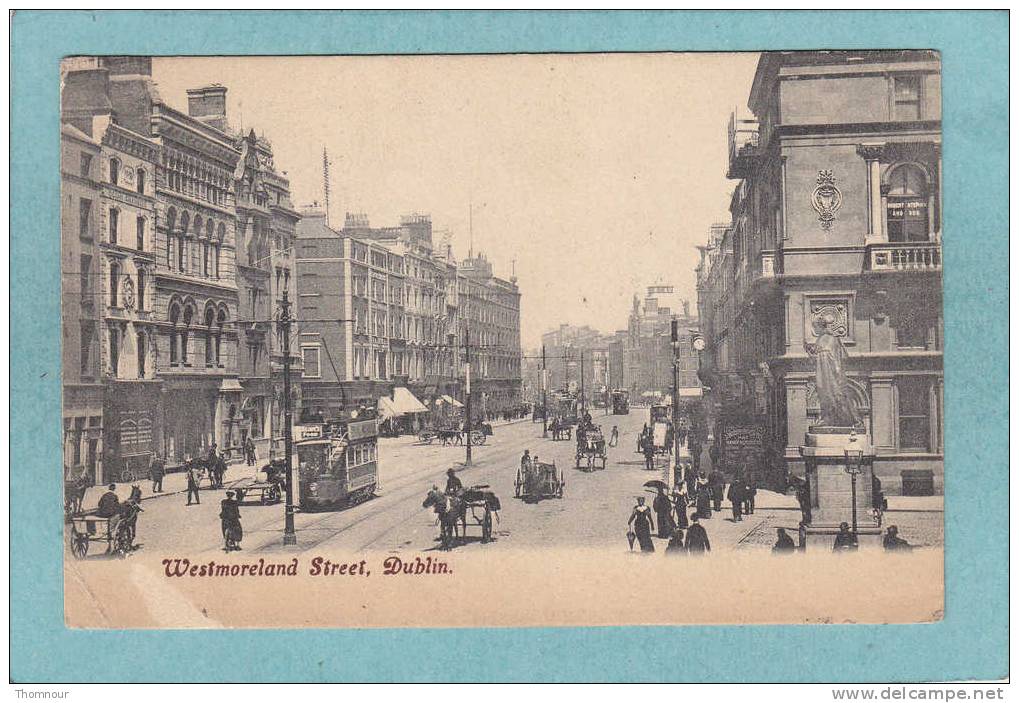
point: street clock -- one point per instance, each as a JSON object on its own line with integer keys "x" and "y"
{"x": 698, "y": 343}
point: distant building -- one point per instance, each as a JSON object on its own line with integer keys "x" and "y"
{"x": 836, "y": 216}
{"x": 648, "y": 351}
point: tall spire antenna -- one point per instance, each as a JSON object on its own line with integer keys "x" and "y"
{"x": 325, "y": 180}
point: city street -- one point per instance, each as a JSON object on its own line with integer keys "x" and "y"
{"x": 592, "y": 513}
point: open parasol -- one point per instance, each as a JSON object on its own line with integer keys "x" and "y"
{"x": 655, "y": 483}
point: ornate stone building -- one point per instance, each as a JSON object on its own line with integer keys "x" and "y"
{"x": 836, "y": 215}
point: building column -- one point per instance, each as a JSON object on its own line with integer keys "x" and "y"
{"x": 875, "y": 222}
{"x": 882, "y": 412}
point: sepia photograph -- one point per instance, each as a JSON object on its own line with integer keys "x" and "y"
{"x": 527, "y": 337}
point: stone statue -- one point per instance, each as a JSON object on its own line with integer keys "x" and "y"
{"x": 837, "y": 406}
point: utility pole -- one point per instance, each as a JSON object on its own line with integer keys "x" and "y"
{"x": 544, "y": 393}
{"x": 467, "y": 424}
{"x": 289, "y": 534}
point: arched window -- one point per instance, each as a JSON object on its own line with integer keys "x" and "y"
{"x": 140, "y": 180}
{"x": 171, "y": 224}
{"x": 114, "y": 350}
{"x": 141, "y": 289}
{"x": 908, "y": 205}
{"x": 114, "y": 283}
{"x": 140, "y": 232}
{"x": 210, "y": 320}
{"x": 140, "y": 341}
{"x": 114, "y": 224}
{"x": 174, "y": 319}
{"x": 188, "y": 313}
{"x": 220, "y": 323}
{"x": 184, "y": 222}
{"x": 114, "y": 171}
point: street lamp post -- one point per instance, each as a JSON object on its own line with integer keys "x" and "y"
{"x": 544, "y": 394}
{"x": 467, "y": 424}
{"x": 854, "y": 464}
{"x": 289, "y": 533}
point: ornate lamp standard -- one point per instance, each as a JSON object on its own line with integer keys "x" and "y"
{"x": 854, "y": 463}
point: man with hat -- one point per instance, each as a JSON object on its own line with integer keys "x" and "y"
{"x": 230, "y": 520}
{"x": 109, "y": 507}
{"x": 454, "y": 486}
{"x": 845, "y": 541}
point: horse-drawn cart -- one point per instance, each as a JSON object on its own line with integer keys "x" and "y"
{"x": 539, "y": 480}
{"x": 590, "y": 448}
{"x": 116, "y": 531}
{"x": 478, "y": 507}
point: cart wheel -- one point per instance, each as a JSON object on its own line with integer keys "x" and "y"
{"x": 477, "y": 437}
{"x": 79, "y": 544}
{"x": 486, "y": 527}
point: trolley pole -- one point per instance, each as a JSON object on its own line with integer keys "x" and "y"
{"x": 289, "y": 534}
{"x": 467, "y": 424}
{"x": 544, "y": 394}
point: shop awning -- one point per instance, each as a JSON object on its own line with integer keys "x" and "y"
{"x": 452, "y": 401}
{"x": 387, "y": 409}
{"x": 405, "y": 402}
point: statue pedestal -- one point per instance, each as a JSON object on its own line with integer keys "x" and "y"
{"x": 831, "y": 486}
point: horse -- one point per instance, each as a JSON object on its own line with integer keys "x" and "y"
{"x": 450, "y": 436}
{"x": 450, "y": 510}
{"x": 74, "y": 494}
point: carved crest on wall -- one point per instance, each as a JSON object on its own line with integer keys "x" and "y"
{"x": 826, "y": 198}
{"x": 834, "y": 314}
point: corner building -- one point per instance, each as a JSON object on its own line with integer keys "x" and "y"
{"x": 836, "y": 216}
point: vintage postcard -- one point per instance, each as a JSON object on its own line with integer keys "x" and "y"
{"x": 502, "y": 340}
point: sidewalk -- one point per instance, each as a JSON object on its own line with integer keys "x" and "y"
{"x": 173, "y": 484}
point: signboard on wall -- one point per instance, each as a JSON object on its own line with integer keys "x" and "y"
{"x": 743, "y": 449}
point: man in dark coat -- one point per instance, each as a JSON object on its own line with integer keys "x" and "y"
{"x": 249, "y": 451}
{"x": 716, "y": 483}
{"x": 845, "y": 541}
{"x": 663, "y": 511}
{"x": 649, "y": 453}
{"x": 784, "y": 544}
{"x": 803, "y": 498}
{"x": 109, "y": 503}
{"x": 697, "y": 538}
{"x": 749, "y": 494}
{"x": 736, "y": 499}
{"x": 230, "y": 521}
{"x": 892, "y": 541}
{"x": 192, "y": 475}
{"x": 156, "y": 473}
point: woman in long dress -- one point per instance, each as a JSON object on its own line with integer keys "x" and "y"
{"x": 679, "y": 500}
{"x": 703, "y": 497}
{"x": 640, "y": 520}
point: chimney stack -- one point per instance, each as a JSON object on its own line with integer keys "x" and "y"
{"x": 208, "y": 104}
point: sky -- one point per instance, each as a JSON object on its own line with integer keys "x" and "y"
{"x": 589, "y": 176}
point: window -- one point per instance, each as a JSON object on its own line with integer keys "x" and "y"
{"x": 86, "y": 165}
{"x": 205, "y": 259}
{"x": 174, "y": 318}
{"x": 914, "y": 412}
{"x": 84, "y": 218}
{"x": 141, "y": 354}
{"x": 85, "y": 269}
{"x": 114, "y": 283}
{"x": 907, "y": 205}
{"x": 210, "y": 357}
{"x": 220, "y": 322}
{"x": 140, "y": 232}
{"x": 906, "y": 96}
{"x": 114, "y": 224}
{"x": 140, "y": 180}
{"x": 180, "y": 254}
{"x": 184, "y": 336}
{"x": 114, "y": 351}
{"x": 911, "y": 332}
{"x": 114, "y": 171}
{"x": 312, "y": 367}
{"x": 87, "y": 334}
{"x": 141, "y": 289}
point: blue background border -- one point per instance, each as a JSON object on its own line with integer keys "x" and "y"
{"x": 970, "y": 642}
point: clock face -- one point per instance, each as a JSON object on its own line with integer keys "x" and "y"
{"x": 698, "y": 344}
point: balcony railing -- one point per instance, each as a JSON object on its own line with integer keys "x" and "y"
{"x": 905, "y": 256}
{"x": 744, "y": 138}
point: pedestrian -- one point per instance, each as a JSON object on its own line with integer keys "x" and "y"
{"x": 716, "y": 483}
{"x": 454, "y": 486}
{"x": 784, "y": 543}
{"x": 649, "y": 454}
{"x": 663, "y": 511}
{"x": 697, "y": 538}
{"x": 735, "y": 497}
{"x": 249, "y": 451}
{"x": 642, "y": 524}
{"x": 703, "y": 497}
{"x": 845, "y": 541}
{"x": 156, "y": 472}
{"x": 679, "y": 496}
{"x": 614, "y": 437}
{"x": 676, "y": 545}
{"x": 714, "y": 455}
{"x": 893, "y": 543}
{"x": 749, "y": 494}
{"x": 230, "y": 522}
{"x": 803, "y": 498}
{"x": 192, "y": 476}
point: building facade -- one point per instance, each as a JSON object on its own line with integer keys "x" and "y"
{"x": 647, "y": 363}
{"x": 836, "y": 218}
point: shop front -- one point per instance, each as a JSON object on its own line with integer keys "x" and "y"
{"x": 130, "y": 432}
